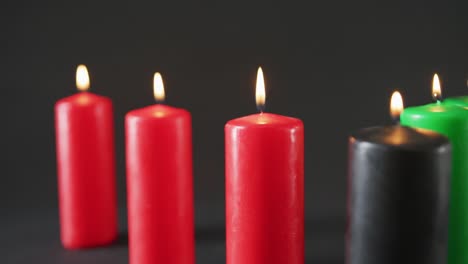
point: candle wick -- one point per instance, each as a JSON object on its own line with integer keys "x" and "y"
{"x": 261, "y": 108}
{"x": 437, "y": 98}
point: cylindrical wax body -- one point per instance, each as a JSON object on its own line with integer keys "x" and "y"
{"x": 451, "y": 121}
{"x": 160, "y": 185}
{"x": 264, "y": 190}
{"x": 398, "y": 196}
{"x": 86, "y": 170}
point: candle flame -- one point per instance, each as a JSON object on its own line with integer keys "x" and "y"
{"x": 396, "y": 105}
{"x": 260, "y": 90}
{"x": 82, "y": 78}
{"x": 158, "y": 88}
{"x": 436, "y": 90}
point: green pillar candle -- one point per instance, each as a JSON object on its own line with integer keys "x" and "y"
{"x": 452, "y": 121}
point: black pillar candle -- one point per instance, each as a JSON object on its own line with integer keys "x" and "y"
{"x": 398, "y": 196}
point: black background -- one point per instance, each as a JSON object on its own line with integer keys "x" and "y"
{"x": 333, "y": 64}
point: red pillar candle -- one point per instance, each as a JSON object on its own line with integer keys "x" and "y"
{"x": 160, "y": 184}
{"x": 264, "y": 188}
{"x": 86, "y": 167}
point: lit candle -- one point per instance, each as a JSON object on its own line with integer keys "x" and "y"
{"x": 398, "y": 195}
{"x": 86, "y": 167}
{"x": 452, "y": 121}
{"x": 264, "y": 187}
{"x": 159, "y": 183}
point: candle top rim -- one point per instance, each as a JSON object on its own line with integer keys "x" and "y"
{"x": 458, "y": 100}
{"x": 436, "y": 109}
{"x": 157, "y": 111}
{"x": 84, "y": 98}
{"x": 401, "y": 137}
{"x": 265, "y": 120}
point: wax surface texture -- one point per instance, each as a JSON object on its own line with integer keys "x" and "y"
{"x": 451, "y": 121}
{"x": 265, "y": 190}
{"x": 398, "y": 196}
{"x": 86, "y": 170}
{"x": 160, "y": 185}
{"x": 461, "y": 101}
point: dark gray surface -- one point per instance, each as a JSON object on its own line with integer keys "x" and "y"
{"x": 33, "y": 237}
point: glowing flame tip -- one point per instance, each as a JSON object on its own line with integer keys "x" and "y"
{"x": 260, "y": 90}
{"x": 396, "y": 105}
{"x": 82, "y": 78}
{"x": 158, "y": 87}
{"x": 436, "y": 89}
